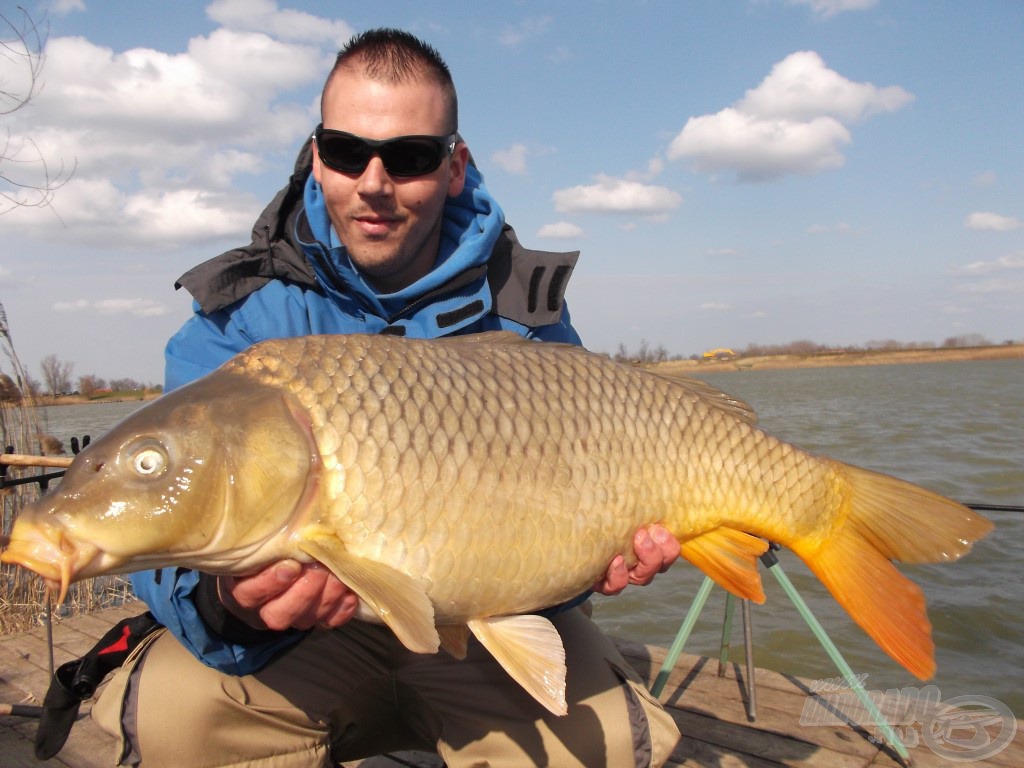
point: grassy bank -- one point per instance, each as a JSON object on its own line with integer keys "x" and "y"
{"x": 120, "y": 396}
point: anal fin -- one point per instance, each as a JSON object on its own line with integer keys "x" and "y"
{"x": 730, "y": 558}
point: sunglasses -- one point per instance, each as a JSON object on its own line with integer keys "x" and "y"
{"x": 402, "y": 155}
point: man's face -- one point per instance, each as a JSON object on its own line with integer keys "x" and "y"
{"x": 391, "y": 226}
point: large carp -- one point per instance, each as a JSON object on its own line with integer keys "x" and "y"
{"x": 466, "y": 482}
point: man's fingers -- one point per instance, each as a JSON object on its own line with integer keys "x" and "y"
{"x": 616, "y": 578}
{"x": 251, "y": 592}
{"x": 667, "y": 544}
{"x": 656, "y": 549}
{"x": 648, "y": 558}
{"x": 299, "y": 605}
{"x": 342, "y": 610}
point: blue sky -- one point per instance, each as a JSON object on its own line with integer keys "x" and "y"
{"x": 733, "y": 171}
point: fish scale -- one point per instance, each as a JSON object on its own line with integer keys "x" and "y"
{"x": 459, "y": 485}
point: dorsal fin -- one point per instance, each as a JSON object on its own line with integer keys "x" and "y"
{"x": 711, "y": 395}
{"x": 708, "y": 394}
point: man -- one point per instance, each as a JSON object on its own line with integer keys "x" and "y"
{"x": 397, "y": 234}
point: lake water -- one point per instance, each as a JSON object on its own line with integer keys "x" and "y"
{"x": 93, "y": 419}
{"x": 956, "y": 428}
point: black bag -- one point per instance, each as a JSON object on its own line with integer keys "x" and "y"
{"x": 77, "y": 680}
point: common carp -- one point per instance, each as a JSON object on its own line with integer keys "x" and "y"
{"x": 459, "y": 485}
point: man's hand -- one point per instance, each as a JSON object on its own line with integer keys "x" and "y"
{"x": 289, "y": 594}
{"x": 656, "y": 549}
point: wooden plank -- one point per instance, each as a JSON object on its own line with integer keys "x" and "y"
{"x": 707, "y": 734}
{"x": 694, "y": 685}
{"x": 95, "y": 625}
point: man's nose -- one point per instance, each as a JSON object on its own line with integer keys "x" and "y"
{"x": 375, "y": 179}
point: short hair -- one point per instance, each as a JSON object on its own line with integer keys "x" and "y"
{"x": 395, "y": 56}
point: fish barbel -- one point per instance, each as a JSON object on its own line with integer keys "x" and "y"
{"x": 459, "y": 484}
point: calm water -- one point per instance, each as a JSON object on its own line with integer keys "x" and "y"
{"x": 957, "y": 428}
{"x": 67, "y": 421}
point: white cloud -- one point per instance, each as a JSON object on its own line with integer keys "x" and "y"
{"x": 1002, "y": 264}
{"x": 560, "y": 230}
{"x": 1000, "y": 276}
{"x": 992, "y": 286}
{"x": 158, "y": 139}
{"x": 200, "y": 213}
{"x": 265, "y": 16}
{"x": 611, "y": 195}
{"x": 827, "y": 8}
{"x": 654, "y": 168}
{"x": 758, "y": 149}
{"x": 795, "y": 121}
{"x": 223, "y": 89}
{"x": 134, "y": 307}
{"x": 64, "y": 7}
{"x": 527, "y": 29}
{"x": 511, "y": 160}
{"x": 994, "y": 222}
{"x": 985, "y": 179}
{"x": 802, "y": 88}
{"x": 841, "y": 228}
{"x": 715, "y": 306}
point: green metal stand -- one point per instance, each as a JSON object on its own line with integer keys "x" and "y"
{"x": 771, "y": 562}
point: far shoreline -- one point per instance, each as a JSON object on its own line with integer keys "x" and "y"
{"x": 46, "y": 400}
{"x": 845, "y": 359}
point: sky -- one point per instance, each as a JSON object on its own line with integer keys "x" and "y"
{"x": 734, "y": 172}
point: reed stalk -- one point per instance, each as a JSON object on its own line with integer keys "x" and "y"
{"x": 23, "y": 596}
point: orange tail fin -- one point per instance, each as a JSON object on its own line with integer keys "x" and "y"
{"x": 889, "y": 519}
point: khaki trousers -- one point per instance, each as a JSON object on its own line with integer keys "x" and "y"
{"x": 357, "y": 692}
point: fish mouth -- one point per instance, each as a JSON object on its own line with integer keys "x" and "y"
{"x": 51, "y": 554}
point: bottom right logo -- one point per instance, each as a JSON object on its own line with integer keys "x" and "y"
{"x": 961, "y": 728}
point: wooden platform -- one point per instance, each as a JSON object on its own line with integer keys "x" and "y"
{"x": 709, "y": 709}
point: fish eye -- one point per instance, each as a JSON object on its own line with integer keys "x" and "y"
{"x": 148, "y": 459}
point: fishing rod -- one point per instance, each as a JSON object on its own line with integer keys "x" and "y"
{"x": 995, "y": 507}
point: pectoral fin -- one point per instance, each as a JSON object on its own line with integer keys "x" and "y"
{"x": 730, "y": 558}
{"x": 531, "y": 651}
{"x": 400, "y": 601}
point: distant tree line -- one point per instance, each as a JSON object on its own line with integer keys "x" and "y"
{"x": 647, "y": 355}
{"x": 643, "y": 356}
{"x": 57, "y": 380}
{"x": 806, "y": 347}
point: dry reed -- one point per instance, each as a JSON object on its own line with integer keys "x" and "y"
{"x": 23, "y": 596}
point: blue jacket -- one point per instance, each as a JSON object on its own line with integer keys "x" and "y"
{"x": 304, "y": 283}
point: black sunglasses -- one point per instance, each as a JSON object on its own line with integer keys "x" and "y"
{"x": 402, "y": 155}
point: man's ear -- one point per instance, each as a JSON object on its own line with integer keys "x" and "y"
{"x": 459, "y": 162}
{"x": 317, "y": 167}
